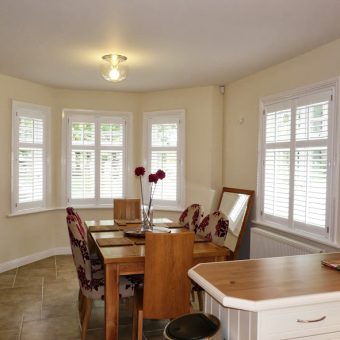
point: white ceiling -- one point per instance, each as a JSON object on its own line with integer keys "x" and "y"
{"x": 169, "y": 43}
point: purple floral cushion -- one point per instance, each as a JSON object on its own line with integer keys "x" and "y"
{"x": 191, "y": 217}
{"x": 214, "y": 227}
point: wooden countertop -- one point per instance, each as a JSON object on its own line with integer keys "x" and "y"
{"x": 269, "y": 283}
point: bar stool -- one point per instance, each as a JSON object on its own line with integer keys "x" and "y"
{"x": 193, "y": 326}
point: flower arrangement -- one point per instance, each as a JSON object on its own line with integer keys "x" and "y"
{"x": 153, "y": 179}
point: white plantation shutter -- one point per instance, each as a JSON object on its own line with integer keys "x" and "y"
{"x": 112, "y": 159}
{"x": 96, "y": 159}
{"x": 30, "y": 127}
{"x": 297, "y": 152}
{"x": 165, "y": 136}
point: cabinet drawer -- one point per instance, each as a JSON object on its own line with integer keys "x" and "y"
{"x": 301, "y": 321}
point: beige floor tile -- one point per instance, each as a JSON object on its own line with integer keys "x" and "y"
{"x": 60, "y": 292}
{"x": 68, "y": 276}
{"x": 55, "y": 310}
{"x": 33, "y": 276}
{"x": 9, "y": 335}
{"x": 24, "y": 296}
{"x": 59, "y": 328}
{"x": 65, "y": 263}
{"x": 10, "y": 317}
{"x": 41, "y": 264}
{"x": 97, "y": 334}
{"x": 7, "y": 279}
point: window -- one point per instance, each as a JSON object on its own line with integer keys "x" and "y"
{"x": 164, "y": 149}
{"x": 29, "y": 156}
{"x": 297, "y": 168}
{"x": 96, "y": 158}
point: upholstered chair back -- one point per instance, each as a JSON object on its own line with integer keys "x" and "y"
{"x": 191, "y": 216}
{"x": 90, "y": 286}
{"x": 214, "y": 227}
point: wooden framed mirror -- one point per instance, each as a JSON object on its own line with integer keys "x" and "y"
{"x": 236, "y": 204}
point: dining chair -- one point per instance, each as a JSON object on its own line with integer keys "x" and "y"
{"x": 191, "y": 217}
{"x": 126, "y": 209}
{"x": 166, "y": 291}
{"x": 90, "y": 275}
{"x": 214, "y": 227}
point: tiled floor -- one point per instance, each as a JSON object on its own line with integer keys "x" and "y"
{"x": 39, "y": 302}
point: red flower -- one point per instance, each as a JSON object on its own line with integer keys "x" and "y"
{"x": 153, "y": 178}
{"x": 160, "y": 174}
{"x": 140, "y": 171}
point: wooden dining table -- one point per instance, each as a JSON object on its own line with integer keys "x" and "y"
{"x": 129, "y": 260}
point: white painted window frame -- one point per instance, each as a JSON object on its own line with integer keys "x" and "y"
{"x": 97, "y": 116}
{"x": 332, "y": 233}
{"x": 166, "y": 116}
{"x": 23, "y": 109}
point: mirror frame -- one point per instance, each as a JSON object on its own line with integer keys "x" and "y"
{"x": 250, "y": 203}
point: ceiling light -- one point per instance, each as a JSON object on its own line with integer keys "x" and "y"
{"x": 112, "y": 69}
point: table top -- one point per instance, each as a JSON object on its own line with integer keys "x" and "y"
{"x": 135, "y": 253}
{"x": 100, "y": 223}
{"x": 261, "y": 284}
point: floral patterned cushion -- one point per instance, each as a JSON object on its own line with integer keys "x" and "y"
{"x": 214, "y": 227}
{"x": 191, "y": 217}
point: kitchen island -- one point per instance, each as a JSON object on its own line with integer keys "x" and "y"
{"x": 274, "y": 298}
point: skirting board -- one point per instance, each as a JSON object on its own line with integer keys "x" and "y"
{"x": 12, "y": 264}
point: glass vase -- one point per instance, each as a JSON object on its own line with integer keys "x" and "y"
{"x": 147, "y": 218}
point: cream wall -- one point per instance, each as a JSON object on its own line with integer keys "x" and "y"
{"x": 31, "y": 234}
{"x": 242, "y": 102}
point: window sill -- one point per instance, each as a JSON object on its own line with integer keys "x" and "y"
{"x": 38, "y": 211}
{"x": 296, "y": 233}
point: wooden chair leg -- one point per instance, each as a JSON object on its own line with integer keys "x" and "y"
{"x": 140, "y": 325}
{"x": 200, "y": 300}
{"x": 80, "y": 300}
{"x": 86, "y": 318}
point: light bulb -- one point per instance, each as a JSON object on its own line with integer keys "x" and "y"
{"x": 114, "y": 73}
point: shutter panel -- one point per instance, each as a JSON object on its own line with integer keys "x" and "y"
{"x": 164, "y": 155}
{"x": 82, "y": 174}
{"x": 112, "y": 159}
{"x": 111, "y": 174}
{"x": 310, "y": 188}
{"x": 30, "y": 160}
{"x": 276, "y": 184}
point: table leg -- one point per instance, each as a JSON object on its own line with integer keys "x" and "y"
{"x": 111, "y": 301}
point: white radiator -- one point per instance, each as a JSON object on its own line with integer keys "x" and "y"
{"x": 264, "y": 243}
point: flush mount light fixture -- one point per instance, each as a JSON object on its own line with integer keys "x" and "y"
{"x": 112, "y": 69}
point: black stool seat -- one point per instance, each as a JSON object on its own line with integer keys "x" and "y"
{"x": 192, "y": 327}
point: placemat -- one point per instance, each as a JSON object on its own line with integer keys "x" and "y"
{"x": 200, "y": 239}
{"x": 100, "y": 228}
{"x": 114, "y": 242}
{"x": 125, "y": 222}
{"x": 174, "y": 225}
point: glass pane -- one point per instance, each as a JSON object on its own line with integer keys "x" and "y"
{"x": 82, "y": 174}
{"x": 83, "y": 133}
{"x": 312, "y": 121}
{"x": 164, "y": 135}
{"x": 31, "y": 176}
{"x": 310, "y": 189}
{"x": 111, "y": 174}
{"x": 31, "y": 130}
{"x": 276, "y": 184}
{"x": 278, "y": 126}
{"x": 111, "y": 134}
